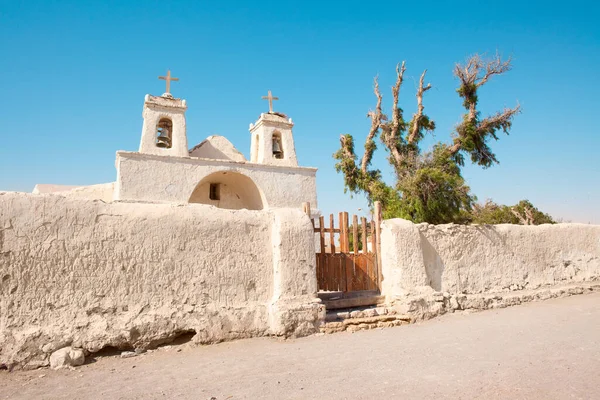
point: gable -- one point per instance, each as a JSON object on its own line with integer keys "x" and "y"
{"x": 217, "y": 148}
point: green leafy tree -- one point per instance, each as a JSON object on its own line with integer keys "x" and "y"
{"x": 523, "y": 213}
{"x": 429, "y": 186}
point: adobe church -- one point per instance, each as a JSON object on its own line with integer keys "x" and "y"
{"x": 213, "y": 172}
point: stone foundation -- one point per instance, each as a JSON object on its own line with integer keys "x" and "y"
{"x": 413, "y": 309}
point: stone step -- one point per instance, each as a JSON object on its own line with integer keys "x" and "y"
{"x": 353, "y": 302}
{"x": 337, "y": 315}
{"x": 353, "y": 320}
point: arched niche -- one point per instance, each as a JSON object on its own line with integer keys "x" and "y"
{"x": 164, "y": 133}
{"x": 277, "y": 145}
{"x": 227, "y": 189}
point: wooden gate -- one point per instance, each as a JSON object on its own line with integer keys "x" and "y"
{"x": 347, "y": 258}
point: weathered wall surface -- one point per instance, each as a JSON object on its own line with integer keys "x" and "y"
{"x": 145, "y": 177}
{"x": 485, "y": 258}
{"x": 102, "y": 191}
{"x": 41, "y": 188}
{"x": 130, "y": 275}
{"x": 217, "y": 148}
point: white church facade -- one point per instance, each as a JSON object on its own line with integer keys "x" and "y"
{"x": 213, "y": 172}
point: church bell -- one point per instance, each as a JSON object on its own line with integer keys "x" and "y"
{"x": 163, "y": 140}
{"x": 165, "y": 126}
{"x": 277, "y": 150}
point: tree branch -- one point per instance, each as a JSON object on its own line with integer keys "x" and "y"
{"x": 396, "y": 94}
{"x": 501, "y": 120}
{"x": 375, "y": 125}
{"x": 472, "y": 133}
{"x": 526, "y": 219}
{"x": 391, "y": 131}
{"x": 494, "y": 67}
{"x": 416, "y": 123}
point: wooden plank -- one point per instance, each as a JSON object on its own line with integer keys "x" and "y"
{"x": 364, "y": 272}
{"x": 319, "y": 273}
{"x": 330, "y": 273}
{"x": 356, "y": 286}
{"x": 345, "y": 233}
{"x": 325, "y": 272}
{"x": 338, "y": 273}
{"x": 373, "y": 263}
{"x": 341, "y": 229}
{"x": 342, "y": 268}
{"x": 378, "y": 218}
{"x": 361, "y": 272}
{"x": 363, "y": 276}
{"x": 355, "y": 240}
{"x": 322, "y": 250}
{"x": 372, "y": 272}
{"x": 373, "y": 243}
{"x": 331, "y": 267}
{"x": 349, "y": 267}
{"x": 323, "y": 281}
{"x": 363, "y": 222}
{"x": 322, "y": 233}
{"x": 331, "y": 235}
{"x": 360, "y": 301}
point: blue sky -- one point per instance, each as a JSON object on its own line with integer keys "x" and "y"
{"x": 74, "y": 75}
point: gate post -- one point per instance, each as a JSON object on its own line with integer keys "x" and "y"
{"x": 378, "y": 218}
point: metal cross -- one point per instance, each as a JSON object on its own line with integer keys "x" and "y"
{"x": 168, "y": 79}
{"x": 270, "y": 98}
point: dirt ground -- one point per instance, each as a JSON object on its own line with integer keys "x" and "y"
{"x": 542, "y": 350}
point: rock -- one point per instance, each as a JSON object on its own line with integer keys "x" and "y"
{"x": 355, "y": 314}
{"x": 128, "y": 354}
{"x": 370, "y": 312}
{"x": 437, "y": 296}
{"x": 66, "y": 357}
{"x": 47, "y": 348}
{"x": 51, "y": 347}
{"x": 381, "y": 310}
{"x": 371, "y": 320}
{"x": 454, "y": 303}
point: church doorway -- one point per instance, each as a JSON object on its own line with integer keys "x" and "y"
{"x": 230, "y": 190}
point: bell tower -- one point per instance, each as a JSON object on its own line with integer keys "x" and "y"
{"x": 272, "y": 138}
{"x": 164, "y": 132}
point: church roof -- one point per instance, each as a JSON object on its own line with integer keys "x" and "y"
{"x": 217, "y": 148}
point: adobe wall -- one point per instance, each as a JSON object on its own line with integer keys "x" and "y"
{"x": 102, "y": 191}
{"x": 145, "y": 177}
{"x": 131, "y": 275}
{"x": 479, "y": 259}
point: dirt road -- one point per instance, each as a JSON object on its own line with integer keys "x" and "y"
{"x": 544, "y": 350}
